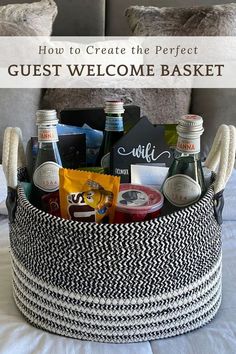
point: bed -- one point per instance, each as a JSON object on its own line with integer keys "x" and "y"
{"x": 218, "y": 337}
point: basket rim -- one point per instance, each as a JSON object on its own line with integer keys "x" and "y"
{"x": 207, "y": 198}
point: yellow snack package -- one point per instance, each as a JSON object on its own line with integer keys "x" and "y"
{"x": 87, "y": 196}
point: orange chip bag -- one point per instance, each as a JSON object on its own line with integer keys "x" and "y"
{"x": 88, "y": 196}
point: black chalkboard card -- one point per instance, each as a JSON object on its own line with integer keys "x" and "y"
{"x": 143, "y": 144}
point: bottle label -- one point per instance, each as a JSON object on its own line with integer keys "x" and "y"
{"x": 47, "y": 134}
{"x": 114, "y": 124}
{"x": 46, "y": 177}
{"x": 188, "y": 145}
{"x": 181, "y": 190}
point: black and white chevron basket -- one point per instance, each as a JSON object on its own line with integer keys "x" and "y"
{"x": 118, "y": 282}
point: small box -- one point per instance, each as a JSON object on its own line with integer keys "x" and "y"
{"x": 72, "y": 148}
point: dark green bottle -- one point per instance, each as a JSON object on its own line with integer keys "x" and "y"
{"x": 114, "y": 130}
{"x": 45, "y": 187}
{"x": 184, "y": 183}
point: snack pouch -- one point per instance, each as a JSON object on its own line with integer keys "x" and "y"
{"x": 87, "y": 196}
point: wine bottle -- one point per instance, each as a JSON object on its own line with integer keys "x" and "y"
{"x": 45, "y": 188}
{"x": 185, "y": 183}
{"x": 114, "y": 130}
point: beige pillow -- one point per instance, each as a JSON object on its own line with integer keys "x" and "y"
{"x": 18, "y": 106}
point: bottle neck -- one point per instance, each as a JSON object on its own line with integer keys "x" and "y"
{"x": 189, "y": 145}
{"x": 114, "y": 123}
{"x": 47, "y": 134}
{"x": 192, "y": 156}
{"x": 113, "y": 115}
{"x": 47, "y": 145}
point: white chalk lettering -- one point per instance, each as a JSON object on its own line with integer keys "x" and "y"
{"x": 146, "y": 152}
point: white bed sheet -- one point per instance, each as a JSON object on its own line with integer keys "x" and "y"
{"x": 217, "y": 337}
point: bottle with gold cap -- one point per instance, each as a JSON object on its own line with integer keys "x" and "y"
{"x": 45, "y": 188}
{"x": 184, "y": 183}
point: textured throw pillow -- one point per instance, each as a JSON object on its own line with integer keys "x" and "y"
{"x": 18, "y": 106}
{"x": 29, "y": 19}
{"x": 217, "y": 106}
{"x": 216, "y": 20}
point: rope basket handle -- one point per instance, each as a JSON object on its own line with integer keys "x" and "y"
{"x": 221, "y": 157}
{"x": 13, "y": 155}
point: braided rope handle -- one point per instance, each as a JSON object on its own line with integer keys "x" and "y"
{"x": 221, "y": 158}
{"x": 13, "y": 155}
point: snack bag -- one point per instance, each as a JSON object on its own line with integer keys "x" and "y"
{"x": 88, "y": 196}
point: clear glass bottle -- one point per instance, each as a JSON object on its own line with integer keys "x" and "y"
{"x": 45, "y": 188}
{"x": 114, "y": 130}
{"x": 184, "y": 183}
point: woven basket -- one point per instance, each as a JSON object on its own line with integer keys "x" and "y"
{"x": 118, "y": 282}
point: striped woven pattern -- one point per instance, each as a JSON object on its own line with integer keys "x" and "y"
{"x": 117, "y": 283}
